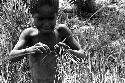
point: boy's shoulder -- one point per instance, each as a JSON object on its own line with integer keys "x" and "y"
{"x": 63, "y": 31}
{"x": 62, "y": 28}
{"x": 28, "y": 31}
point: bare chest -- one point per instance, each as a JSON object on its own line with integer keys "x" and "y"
{"x": 43, "y": 65}
{"x": 49, "y": 39}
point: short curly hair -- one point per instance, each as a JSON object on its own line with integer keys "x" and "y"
{"x": 35, "y": 4}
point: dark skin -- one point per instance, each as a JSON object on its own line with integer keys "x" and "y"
{"x": 41, "y": 43}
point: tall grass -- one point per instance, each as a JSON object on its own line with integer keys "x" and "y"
{"x": 14, "y": 18}
{"x": 102, "y": 40}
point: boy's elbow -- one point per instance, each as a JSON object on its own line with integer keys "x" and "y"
{"x": 12, "y": 56}
{"x": 16, "y": 55}
{"x": 12, "y": 53}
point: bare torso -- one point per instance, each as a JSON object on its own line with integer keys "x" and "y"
{"x": 43, "y": 66}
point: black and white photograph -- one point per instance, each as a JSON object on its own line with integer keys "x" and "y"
{"x": 62, "y": 41}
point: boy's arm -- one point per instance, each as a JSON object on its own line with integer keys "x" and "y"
{"x": 78, "y": 53}
{"x": 20, "y": 50}
{"x": 75, "y": 47}
{"x": 66, "y": 34}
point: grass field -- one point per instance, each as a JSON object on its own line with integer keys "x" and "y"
{"x": 102, "y": 38}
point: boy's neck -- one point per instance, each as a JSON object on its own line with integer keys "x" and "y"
{"x": 45, "y": 32}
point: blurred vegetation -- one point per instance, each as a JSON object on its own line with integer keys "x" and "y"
{"x": 14, "y": 18}
{"x": 84, "y": 7}
{"x": 101, "y": 38}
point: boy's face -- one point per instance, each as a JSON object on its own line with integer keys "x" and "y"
{"x": 45, "y": 19}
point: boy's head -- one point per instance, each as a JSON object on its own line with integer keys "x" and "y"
{"x": 44, "y": 13}
{"x": 36, "y": 4}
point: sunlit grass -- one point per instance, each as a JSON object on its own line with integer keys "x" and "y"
{"x": 101, "y": 38}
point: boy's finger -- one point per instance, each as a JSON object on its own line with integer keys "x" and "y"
{"x": 41, "y": 44}
{"x": 57, "y": 48}
{"x": 38, "y": 44}
{"x": 41, "y": 48}
{"x": 46, "y": 48}
{"x": 63, "y": 45}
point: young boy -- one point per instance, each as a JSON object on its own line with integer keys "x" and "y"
{"x": 39, "y": 41}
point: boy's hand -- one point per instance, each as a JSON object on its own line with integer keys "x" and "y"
{"x": 60, "y": 45}
{"x": 43, "y": 48}
{"x": 39, "y": 47}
